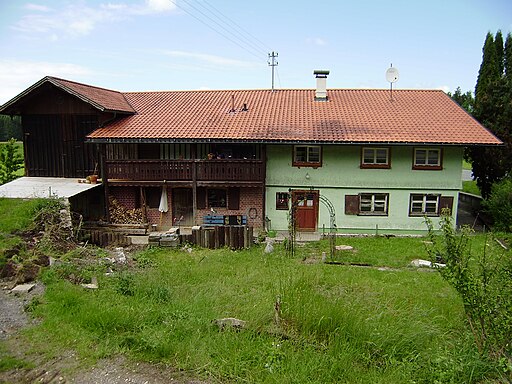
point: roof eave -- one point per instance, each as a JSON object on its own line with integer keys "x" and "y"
{"x": 4, "y": 109}
{"x": 136, "y": 140}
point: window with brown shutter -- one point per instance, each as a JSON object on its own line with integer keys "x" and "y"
{"x": 446, "y": 202}
{"x": 351, "y": 204}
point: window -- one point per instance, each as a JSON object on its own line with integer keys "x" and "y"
{"x": 307, "y": 156}
{"x": 282, "y": 200}
{"x": 373, "y": 203}
{"x": 375, "y": 158}
{"x": 424, "y": 205}
{"x": 427, "y": 158}
{"x": 217, "y": 198}
{"x": 153, "y": 195}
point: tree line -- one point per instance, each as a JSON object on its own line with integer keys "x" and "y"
{"x": 492, "y": 107}
{"x": 10, "y": 127}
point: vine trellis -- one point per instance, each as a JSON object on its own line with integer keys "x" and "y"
{"x": 292, "y": 224}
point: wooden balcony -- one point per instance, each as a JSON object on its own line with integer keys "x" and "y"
{"x": 183, "y": 170}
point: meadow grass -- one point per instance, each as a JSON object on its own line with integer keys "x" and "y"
{"x": 15, "y": 215}
{"x": 337, "y": 323}
{"x": 385, "y": 323}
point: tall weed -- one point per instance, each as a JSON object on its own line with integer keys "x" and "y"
{"x": 483, "y": 281}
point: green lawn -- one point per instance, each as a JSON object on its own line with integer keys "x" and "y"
{"x": 466, "y": 165}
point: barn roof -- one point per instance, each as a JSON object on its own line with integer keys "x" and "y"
{"x": 102, "y": 99}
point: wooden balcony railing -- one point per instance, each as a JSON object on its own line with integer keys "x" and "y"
{"x": 182, "y": 170}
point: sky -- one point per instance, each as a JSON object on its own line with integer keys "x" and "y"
{"x": 149, "y": 45}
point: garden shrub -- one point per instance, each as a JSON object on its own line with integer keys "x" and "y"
{"x": 499, "y": 205}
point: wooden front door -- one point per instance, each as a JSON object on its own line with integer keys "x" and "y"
{"x": 306, "y": 209}
{"x": 182, "y": 209}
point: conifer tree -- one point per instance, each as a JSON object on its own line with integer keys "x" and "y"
{"x": 498, "y": 46}
{"x": 10, "y": 161}
{"x": 507, "y": 58}
{"x": 492, "y": 95}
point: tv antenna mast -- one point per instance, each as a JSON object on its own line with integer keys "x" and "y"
{"x": 392, "y": 76}
{"x": 272, "y": 63}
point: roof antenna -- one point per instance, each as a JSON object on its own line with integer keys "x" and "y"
{"x": 392, "y": 77}
{"x": 272, "y": 63}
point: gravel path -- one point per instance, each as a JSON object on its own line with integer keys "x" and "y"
{"x": 12, "y": 314}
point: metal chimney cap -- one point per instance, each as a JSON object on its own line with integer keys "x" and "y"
{"x": 321, "y": 72}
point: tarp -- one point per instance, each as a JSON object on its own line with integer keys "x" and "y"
{"x": 43, "y": 187}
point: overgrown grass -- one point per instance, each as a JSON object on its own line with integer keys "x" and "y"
{"x": 336, "y": 323}
{"x": 15, "y": 215}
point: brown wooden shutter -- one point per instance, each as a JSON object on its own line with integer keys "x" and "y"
{"x": 201, "y": 198}
{"x": 234, "y": 198}
{"x": 446, "y": 202}
{"x": 351, "y": 204}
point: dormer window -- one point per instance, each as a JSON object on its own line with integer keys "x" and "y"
{"x": 307, "y": 156}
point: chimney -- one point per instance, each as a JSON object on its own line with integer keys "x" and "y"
{"x": 321, "y": 85}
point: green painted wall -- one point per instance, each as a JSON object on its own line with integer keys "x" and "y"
{"x": 341, "y": 175}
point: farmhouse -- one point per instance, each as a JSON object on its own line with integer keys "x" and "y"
{"x": 354, "y": 159}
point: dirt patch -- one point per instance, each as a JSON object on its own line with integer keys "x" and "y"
{"x": 68, "y": 368}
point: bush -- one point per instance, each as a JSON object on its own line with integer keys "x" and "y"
{"x": 499, "y": 205}
{"x": 10, "y": 161}
{"x": 483, "y": 281}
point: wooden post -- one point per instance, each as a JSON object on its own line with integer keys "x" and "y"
{"x": 263, "y": 208}
{"x": 104, "y": 179}
{"x": 193, "y": 154}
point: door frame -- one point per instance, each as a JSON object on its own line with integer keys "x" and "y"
{"x": 302, "y": 208}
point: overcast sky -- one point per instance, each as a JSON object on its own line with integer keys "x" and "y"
{"x": 139, "y": 45}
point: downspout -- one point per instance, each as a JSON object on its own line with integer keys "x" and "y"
{"x": 264, "y": 185}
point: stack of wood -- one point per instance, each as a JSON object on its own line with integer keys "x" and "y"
{"x": 119, "y": 214}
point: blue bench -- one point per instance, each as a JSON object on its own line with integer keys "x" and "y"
{"x": 225, "y": 220}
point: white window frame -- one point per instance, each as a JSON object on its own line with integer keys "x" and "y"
{"x": 307, "y": 162}
{"x": 374, "y": 163}
{"x": 374, "y": 201}
{"x": 424, "y": 202}
{"x": 426, "y": 164}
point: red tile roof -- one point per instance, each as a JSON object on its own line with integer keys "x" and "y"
{"x": 350, "y": 116}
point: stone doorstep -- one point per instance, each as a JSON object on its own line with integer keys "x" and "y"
{"x": 139, "y": 240}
